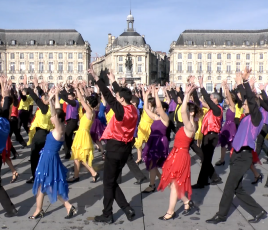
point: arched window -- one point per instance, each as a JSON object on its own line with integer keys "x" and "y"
{"x": 40, "y": 77}
{"x": 70, "y": 78}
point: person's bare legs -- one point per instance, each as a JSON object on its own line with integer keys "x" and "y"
{"x": 173, "y": 198}
{"x": 12, "y": 168}
{"x": 139, "y": 150}
{"x": 153, "y": 173}
{"x": 90, "y": 169}
{"x": 66, "y": 203}
{"x": 39, "y": 201}
{"x": 76, "y": 168}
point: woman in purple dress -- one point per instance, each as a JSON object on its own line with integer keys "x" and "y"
{"x": 228, "y": 131}
{"x": 156, "y": 149}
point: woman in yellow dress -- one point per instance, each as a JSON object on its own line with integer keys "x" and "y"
{"x": 82, "y": 147}
{"x": 144, "y": 129}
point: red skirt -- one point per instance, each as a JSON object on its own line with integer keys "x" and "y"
{"x": 6, "y": 151}
{"x": 177, "y": 169}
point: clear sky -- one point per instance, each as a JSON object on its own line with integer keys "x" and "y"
{"x": 161, "y": 21}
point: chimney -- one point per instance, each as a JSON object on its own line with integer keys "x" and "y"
{"x": 109, "y": 39}
{"x": 143, "y": 36}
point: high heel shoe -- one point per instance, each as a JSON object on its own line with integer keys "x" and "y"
{"x": 16, "y": 177}
{"x": 191, "y": 206}
{"x": 71, "y": 213}
{"x": 149, "y": 191}
{"x": 164, "y": 218}
{"x": 139, "y": 162}
{"x": 95, "y": 178}
{"x": 257, "y": 179}
{"x": 219, "y": 163}
{"x": 39, "y": 215}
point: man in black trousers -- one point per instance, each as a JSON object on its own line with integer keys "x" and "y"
{"x": 241, "y": 159}
{"x": 119, "y": 134}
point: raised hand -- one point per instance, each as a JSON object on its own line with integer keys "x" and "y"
{"x": 25, "y": 80}
{"x": 111, "y": 76}
{"x": 190, "y": 88}
{"x": 51, "y": 94}
{"x": 238, "y": 78}
{"x": 200, "y": 80}
{"x": 246, "y": 73}
{"x": 252, "y": 81}
{"x": 261, "y": 86}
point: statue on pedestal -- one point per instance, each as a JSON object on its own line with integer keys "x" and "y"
{"x": 128, "y": 65}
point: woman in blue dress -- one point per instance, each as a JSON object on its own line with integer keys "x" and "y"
{"x": 50, "y": 175}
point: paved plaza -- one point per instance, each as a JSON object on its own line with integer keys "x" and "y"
{"x": 87, "y": 197}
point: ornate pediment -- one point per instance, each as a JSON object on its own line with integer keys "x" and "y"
{"x": 132, "y": 49}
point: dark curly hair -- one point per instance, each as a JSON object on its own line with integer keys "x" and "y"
{"x": 93, "y": 101}
{"x": 60, "y": 114}
{"x": 165, "y": 106}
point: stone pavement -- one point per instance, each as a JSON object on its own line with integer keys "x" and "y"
{"x": 87, "y": 197}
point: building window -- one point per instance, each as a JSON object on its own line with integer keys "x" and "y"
{"x": 51, "y": 42}
{"x": 12, "y": 56}
{"x": 209, "y": 87}
{"x": 120, "y": 68}
{"x": 199, "y": 56}
{"x": 12, "y": 78}
{"x": 228, "y": 78}
{"x": 229, "y": 56}
{"x": 60, "y": 78}
{"x": 70, "y": 67}
{"x": 209, "y": 43}
{"x": 261, "y": 67}
{"x": 237, "y": 67}
{"x": 70, "y": 78}
{"x": 40, "y": 55}
{"x": 189, "y": 67}
{"x": 261, "y": 56}
{"x": 260, "y": 78}
{"x": 21, "y": 77}
{"x": 22, "y": 66}
{"x": 120, "y": 58}
{"x": 71, "y": 42}
{"x": 262, "y": 42}
{"x": 60, "y": 66}
{"x": 179, "y": 66}
{"x": 228, "y": 43}
{"x": 209, "y": 56}
{"x": 190, "y": 56}
{"x": 40, "y": 77}
{"x": 31, "y": 66}
{"x": 32, "y": 42}
{"x": 50, "y": 77}
{"x": 248, "y": 56}
{"x": 179, "y": 56}
{"x": 70, "y": 55}
{"x": 209, "y": 78}
{"x": 50, "y": 55}
{"x": 219, "y": 78}
{"x": 41, "y": 66}
{"x": 218, "y": 56}
{"x": 12, "y": 66}
{"x": 80, "y": 78}
{"x": 31, "y": 56}
{"x": 60, "y": 56}
{"x": 50, "y": 66}
{"x": 21, "y": 55}
{"x": 179, "y": 78}
{"x": 247, "y": 43}
{"x": 139, "y": 68}
{"x": 218, "y": 66}
{"x": 139, "y": 58}
{"x": 0, "y": 66}
{"x": 189, "y": 43}
{"x": 199, "y": 67}
{"x": 13, "y": 42}
{"x": 31, "y": 77}
{"x": 247, "y": 65}
{"x": 238, "y": 56}
{"x": 80, "y": 66}
{"x": 228, "y": 67}
{"x": 80, "y": 55}
{"x": 209, "y": 67}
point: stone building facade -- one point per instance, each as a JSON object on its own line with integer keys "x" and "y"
{"x": 218, "y": 55}
{"x": 147, "y": 66}
{"x": 53, "y": 55}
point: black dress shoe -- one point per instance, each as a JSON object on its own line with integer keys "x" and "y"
{"x": 104, "y": 219}
{"x": 215, "y": 219}
{"x": 14, "y": 212}
{"x": 257, "y": 179}
{"x": 71, "y": 213}
{"x": 258, "y": 217}
{"x": 219, "y": 163}
{"x": 73, "y": 180}
{"x": 216, "y": 181}
{"x": 138, "y": 182}
{"x": 130, "y": 213}
{"x": 172, "y": 217}
{"x": 30, "y": 181}
{"x": 197, "y": 186}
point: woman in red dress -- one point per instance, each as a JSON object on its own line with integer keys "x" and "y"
{"x": 177, "y": 167}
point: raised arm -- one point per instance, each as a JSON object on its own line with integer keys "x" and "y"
{"x": 164, "y": 117}
{"x": 228, "y": 95}
{"x": 146, "y": 105}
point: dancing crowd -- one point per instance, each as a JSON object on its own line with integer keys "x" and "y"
{"x": 118, "y": 119}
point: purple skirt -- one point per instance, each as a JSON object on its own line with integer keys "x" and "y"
{"x": 97, "y": 130}
{"x": 227, "y": 134}
{"x": 155, "y": 151}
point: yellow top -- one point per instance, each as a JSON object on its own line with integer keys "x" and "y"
{"x": 198, "y": 134}
{"x": 145, "y": 117}
{"x": 238, "y": 112}
{"x": 42, "y": 121}
{"x": 24, "y": 105}
{"x": 61, "y": 101}
{"x": 178, "y": 114}
{"x": 109, "y": 115}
